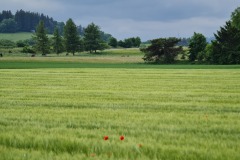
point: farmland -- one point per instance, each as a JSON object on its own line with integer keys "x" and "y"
{"x": 163, "y": 111}
{"x": 16, "y": 36}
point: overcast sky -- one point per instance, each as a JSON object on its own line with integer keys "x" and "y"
{"x": 147, "y": 19}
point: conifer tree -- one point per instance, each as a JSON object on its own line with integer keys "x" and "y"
{"x": 71, "y": 37}
{"x": 57, "y": 41}
{"x": 92, "y": 38}
{"x": 42, "y": 41}
{"x": 226, "y": 47}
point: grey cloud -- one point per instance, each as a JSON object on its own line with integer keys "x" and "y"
{"x": 164, "y": 10}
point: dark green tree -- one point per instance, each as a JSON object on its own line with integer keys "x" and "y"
{"x": 162, "y": 50}
{"x": 137, "y": 42}
{"x": 81, "y": 45}
{"x": 130, "y": 42}
{"x": 41, "y": 38}
{"x": 105, "y": 36}
{"x": 92, "y": 38}
{"x": 226, "y": 47}
{"x": 197, "y": 44}
{"x": 121, "y": 44}
{"x": 4, "y": 43}
{"x": 235, "y": 17}
{"x": 57, "y": 41}
{"x": 8, "y": 26}
{"x": 6, "y": 15}
{"x": 71, "y": 37}
{"x": 113, "y": 42}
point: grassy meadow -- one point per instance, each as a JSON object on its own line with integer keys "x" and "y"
{"x": 49, "y": 111}
{"x": 16, "y": 36}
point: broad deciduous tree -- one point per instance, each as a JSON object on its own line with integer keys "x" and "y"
{"x": 162, "y": 49}
{"x": 113, "y": 42}
{"x": 197, "y": 45}
{"x": 8, "y": 26}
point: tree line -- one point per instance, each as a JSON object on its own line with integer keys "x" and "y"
{"x": 71, "y": 41}
{"x": 224, "y": 49}
{"x": 25, "y": 21}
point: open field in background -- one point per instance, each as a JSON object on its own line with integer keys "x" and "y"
{"x": 112, "y": 58}
{"x": 163, "y": 113}
{"x": 16, "y": 36}
{"x": 107, "y": 56}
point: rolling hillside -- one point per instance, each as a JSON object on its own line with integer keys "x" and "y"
{"x": 16, "y": 36}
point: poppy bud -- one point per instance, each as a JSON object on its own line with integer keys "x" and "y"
{"x": 105, "y": 138}
{"x": 121, "y": 138}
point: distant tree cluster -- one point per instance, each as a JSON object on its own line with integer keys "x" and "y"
{"x": 130, "y": 42}
{"x": 223, "y": 49}
{"x": 24, "y": 21}
{"x": 126, "y": 43}
{"x": 92, "y": 40}
{"x": 71, "y": 41}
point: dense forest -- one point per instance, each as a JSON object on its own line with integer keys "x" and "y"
{"x": 24, "y": 21}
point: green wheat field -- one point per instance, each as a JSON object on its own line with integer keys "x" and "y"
{"x": 163, "y": 111}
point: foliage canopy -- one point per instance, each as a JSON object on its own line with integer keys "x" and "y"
{"x": 226, "y": 47}
{"x": 162, "y": 49}
{"x": 197, "y": 45}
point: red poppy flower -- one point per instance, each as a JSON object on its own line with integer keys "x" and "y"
{"x": 105, "y": 138}
{"x": 121, "y": 138}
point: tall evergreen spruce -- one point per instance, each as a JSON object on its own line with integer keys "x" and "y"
{"x": 71, "y": 37}
{"x": 42, "y": 41}
{"x": 92, "y": 38}
{"x": 226, "y": 47}
{"x": 57, "y": 41}
{"x": 235, "y": 17}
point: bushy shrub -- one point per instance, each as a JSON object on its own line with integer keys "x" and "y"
{"x": 7, "y": 44}
{"x": 21, "y": 43}
{"x": 28, "y": 50}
